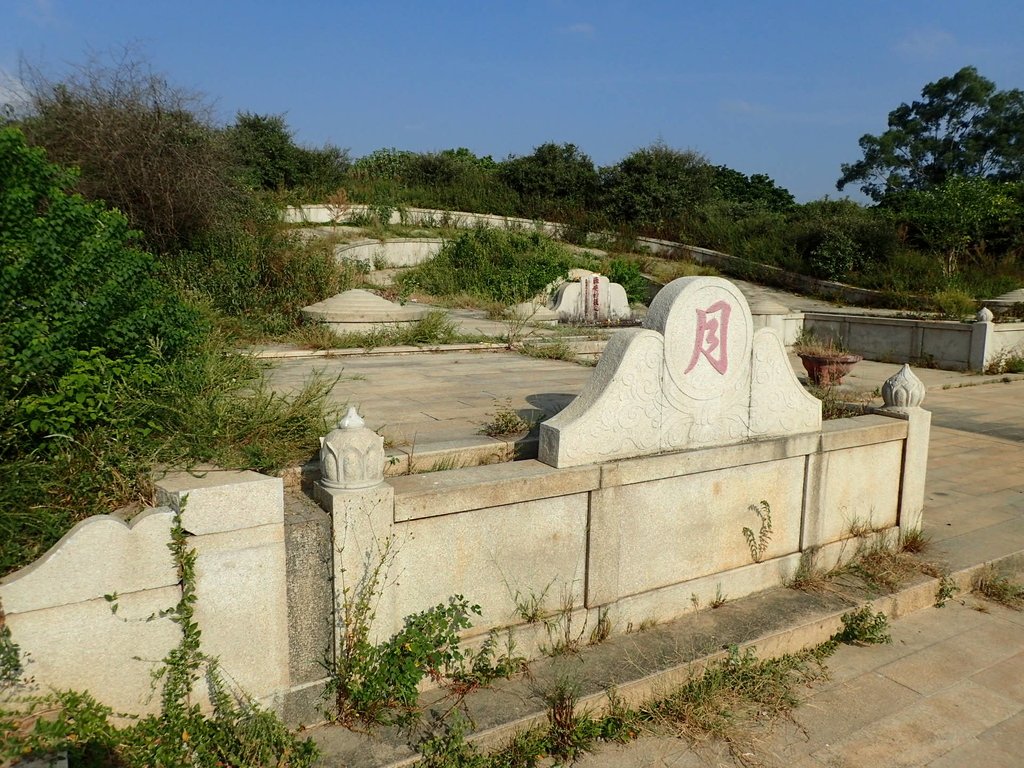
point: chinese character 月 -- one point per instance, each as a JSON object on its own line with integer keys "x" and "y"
{"x": 712, "y": 338}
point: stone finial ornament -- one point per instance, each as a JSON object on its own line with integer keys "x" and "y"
{"x": 903, "y": 390}
{"x": 351, "y": 456}
{"x": 984, "y": 315}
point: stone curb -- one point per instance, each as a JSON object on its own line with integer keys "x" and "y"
{"x": 360, "y": 351}
{"x": 773, "y": 644}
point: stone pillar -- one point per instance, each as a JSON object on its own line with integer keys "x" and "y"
{"x": 903, "y": 394}
{"x": 361, "y": 505}
{"x": 981, "y": 340}
{"x": 235, "y": 523}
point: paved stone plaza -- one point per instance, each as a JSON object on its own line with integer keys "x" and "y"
{"x": 948, "y": 692}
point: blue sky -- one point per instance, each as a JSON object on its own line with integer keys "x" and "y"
{"x": 776, "y": 87}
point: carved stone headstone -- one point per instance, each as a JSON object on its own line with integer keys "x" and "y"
{"x": 351, "y": 456}
{"x": 591, "y": 299}
{"x": 695, "y": 375}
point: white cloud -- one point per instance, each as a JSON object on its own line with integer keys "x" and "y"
{"x": 581, "y": 28}
{"x": 925, "y": 43}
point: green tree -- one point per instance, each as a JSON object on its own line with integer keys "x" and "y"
{"x": 962, "y": 126}
{"x": 552, "y": 180}
{"x": 758, "y": 191}
{"x": 653, "y": 187}
{"x": 958, "y": 217}
{"x": 76, "y": 296}
{"x": 264, "y": 147}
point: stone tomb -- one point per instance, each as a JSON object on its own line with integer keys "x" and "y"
{"x": 696, "y": 375}
{"x": 591, "y": 298}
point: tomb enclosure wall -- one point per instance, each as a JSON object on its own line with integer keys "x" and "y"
{"x": 632, "y": 540}
{"x": 945, "y": 344}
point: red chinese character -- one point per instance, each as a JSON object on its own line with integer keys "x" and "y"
{"x": 712, "y": 337}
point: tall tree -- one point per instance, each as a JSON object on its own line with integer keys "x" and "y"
{"x": 554, "y": 178}
{"x": 962, "y": 126}
{"x": 653, "y": 186}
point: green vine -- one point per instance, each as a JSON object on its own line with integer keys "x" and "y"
{"x": 237, "y": 733}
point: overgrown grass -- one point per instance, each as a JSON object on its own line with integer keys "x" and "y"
{"x": 436, "y": 327}
{"x": 493, "y": 264}
{"x": 880, "y": 566}
{"x": 733, "y": 699}
{"x": 211, "y": 408}
{"x": 255, "y": 277}
{"x": 999, "y": 588}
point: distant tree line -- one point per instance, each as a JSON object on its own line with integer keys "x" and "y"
{"x": 945, "y": 177}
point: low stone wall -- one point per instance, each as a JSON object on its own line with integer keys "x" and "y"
{"x": 91, "y": 613}
{"x": 622, "y": 543}
{"x": 427, "y": 217}
{"x": 945, "y": 344}
{"x": 631, "y": 541}
{"x": 385, "y": 254}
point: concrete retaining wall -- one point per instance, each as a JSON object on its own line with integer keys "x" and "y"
{"x": 384, "y": 254}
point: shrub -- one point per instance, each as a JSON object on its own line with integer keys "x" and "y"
{"x": 627, "y": 274}
{"x": 498, "y": 265}
{"x": 263, "y": 146}
{"x": 258, "y": 274}
{"x": 79, "y": 303}
{"x": 142, "y": 145}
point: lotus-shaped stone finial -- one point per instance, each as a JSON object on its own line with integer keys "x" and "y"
{"x": 351, "y": 456}
{"x": 903, "y": 390}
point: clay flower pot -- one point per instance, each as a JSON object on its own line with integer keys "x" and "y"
{"x": 826, "y": 370}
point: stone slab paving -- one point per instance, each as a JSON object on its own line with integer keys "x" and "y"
{"x": 949, "y": 692}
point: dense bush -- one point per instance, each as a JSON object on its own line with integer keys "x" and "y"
{"x": 493, "y": 264}
{"x": 553, "y": 182}
{"x": 79, "y": 302}
{"x": 105, "y": 372}
{"x": 653, "y": 187}
{"x": 263, "y": 147}
{"x": 257, "y": 277}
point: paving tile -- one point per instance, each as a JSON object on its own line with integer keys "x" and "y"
{"x": 924, "y": 731}
{"x": 980, "y": 752}
{"x": 831, "y": 714}
{"x": 940, "y": 665}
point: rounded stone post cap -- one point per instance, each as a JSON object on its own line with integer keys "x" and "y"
{"x": 903, "y": 389}
{"x": 351, "y": 456}
{"x": 984, "y": 315}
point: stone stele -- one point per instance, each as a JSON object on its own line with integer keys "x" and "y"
{"x": 696, "y": 375}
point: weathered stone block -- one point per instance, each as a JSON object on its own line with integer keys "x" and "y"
{"x": 223, "y": 500}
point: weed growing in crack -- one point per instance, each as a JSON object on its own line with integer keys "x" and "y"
{"x": 946, "y": 589}
{"x": 914, "y": 541}
{"x": 864, "y": 627}
{"x": 530, "y": 606}
{"x": 602, "y": 629}
{"x": 505, "y": 421}
{"x": 999, "y": 589}
{"x": 759, "y": 544}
